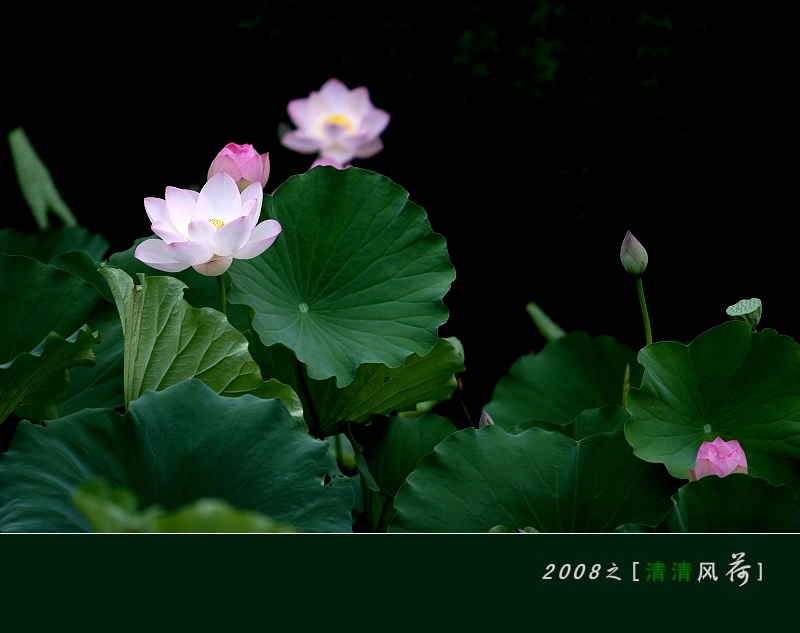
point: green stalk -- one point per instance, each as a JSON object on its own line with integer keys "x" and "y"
{"x": 337, "y": 446}
{"x": 646, "y": 318}
{"x": 222, "y": 300}
{"x": 315, "y": 428}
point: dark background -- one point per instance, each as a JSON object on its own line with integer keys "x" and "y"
{"x": 535, "y": 134}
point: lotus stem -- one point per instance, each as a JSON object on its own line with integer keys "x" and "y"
{"x": 646, "y": 318}
{"x": 222, "y": 300}
{"x": 315, "y": 428}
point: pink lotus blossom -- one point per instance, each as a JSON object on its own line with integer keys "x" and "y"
{"x": 337, "y": 123}
{"x": 719, "y": 458}
{"x": 206, "y": 230}
{"x": 242, "y": 163}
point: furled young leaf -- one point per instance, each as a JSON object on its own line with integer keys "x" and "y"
{"x": 477, "y": 479}
{"x": 548, "y": 328}
{"x": 570, "y": 374}
{"x": 201, "y": 290}
{"x": 357, "y": 275}
{"x": 737, "y": 503}
{"x": 729, "y": 382}
{"x": 171, "y": 448}
{"x": 376, "y": 389}
{"x": 167, "y": 341}
{"x": 34, "y": 383}
{"x": 36, "y": 182}
{"x": 48, "y": 244}
{"x": 110, "y": 509}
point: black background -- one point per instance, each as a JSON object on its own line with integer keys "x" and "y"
{"x": 535, "y": 134}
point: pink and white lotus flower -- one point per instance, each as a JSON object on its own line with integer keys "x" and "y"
{"x": 206, "y": 230}
{"x": 336, "y": 123}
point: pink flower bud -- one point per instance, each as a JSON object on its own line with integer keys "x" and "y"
{"x": 632, "y": 255}
{"x": 719, "y": 458}
{"x": 242, "y": 163}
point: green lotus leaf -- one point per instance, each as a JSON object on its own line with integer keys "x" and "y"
{"x": 100, "y": 385}
{"x": 43, "y": 310}
{"x": 357, "y": 275}
{"x": 737, "y": 503}
{"x": 392, "y": 448}
{"x": 34, "y": 383}
{"x": 48, "y": 244}
{"x": 167, "y": 341}
{"x": 589, "y": 422}
{"x": 570, "y": 374}
{"x": 171, "y": 448}
{"x": 376, "y": 389}
{"x": 80, "y": 264}
{"x": 201, "y": 290}
{"x": 729, "y": 382}
{"x": 36, "y": 299}
{"x": 502, "y": 529}
{"x": 110, "y": 509}
{"x": 477, "y": 479}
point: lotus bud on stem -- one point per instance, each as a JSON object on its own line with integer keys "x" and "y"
{"x": 634, "y": 260}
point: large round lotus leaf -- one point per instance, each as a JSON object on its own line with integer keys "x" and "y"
{"x": 570, "y": 374}
{"x": 102, "y": 385}
{"x": 588, "y": 422}
{"x": 36, "y": 299}
{"x": 34, "y": 384}
{"x": 357, "y": 275}
{"x": 729, "y": 383}
{"x": 80, "y": 264}
{"x": 392, "y": 448}
{"x": 46, "y": 245}
{"x": 171, "y": 448}
{"x": 43, "y": 311}
{"x": 99, "y": 386}
{"x": 110, "y": 509}
{"x": 478, "y": 479}
{"x": 376, "y": 389}
{"x": 737, "y": 503}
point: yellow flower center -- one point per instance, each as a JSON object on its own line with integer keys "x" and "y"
{"x": 217, "y": 223}
{"x": 338, "y": 119}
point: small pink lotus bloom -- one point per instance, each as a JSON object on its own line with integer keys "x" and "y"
{"x": 242, "y": 163}
{"x": 206, "y": 230}
{"x": 326, "y": 161}
{"x": 337, "y": 123}
{"x": 719, "y": 458}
